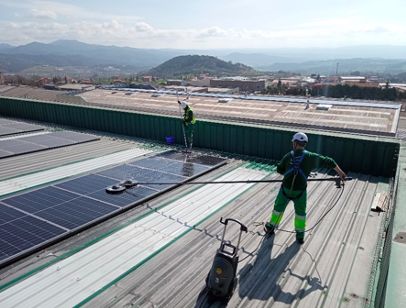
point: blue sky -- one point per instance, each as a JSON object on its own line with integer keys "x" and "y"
{"x": 196, "y": 24}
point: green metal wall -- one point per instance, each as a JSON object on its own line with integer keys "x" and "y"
{"x": 357, "y": 154}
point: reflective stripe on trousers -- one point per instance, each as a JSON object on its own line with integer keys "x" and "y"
{"x": 300, "y": 209}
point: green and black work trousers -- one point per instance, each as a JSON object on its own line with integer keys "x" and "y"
{"x": 299, "y": 199}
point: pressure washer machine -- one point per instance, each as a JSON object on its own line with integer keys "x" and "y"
{"x": 221, "y": 280}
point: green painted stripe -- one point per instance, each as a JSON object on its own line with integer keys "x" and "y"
{"x": 102, "y": 236}
{"x": 141, "y": 263}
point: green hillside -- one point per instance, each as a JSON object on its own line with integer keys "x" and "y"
{"x": 194, "y": 64}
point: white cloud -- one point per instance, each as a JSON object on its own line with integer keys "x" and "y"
{"x": 213, "y": 32}
{"x": 135, "y": 33}
{"x": 41, "y": 14}
{"x": 144, "y": 27}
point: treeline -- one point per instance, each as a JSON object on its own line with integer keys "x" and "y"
{"x": 346, "y": 91}
{"x": 341, "y": 91}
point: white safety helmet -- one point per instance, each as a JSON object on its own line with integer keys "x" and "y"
{"x": 301, "y": 137}
{"x": 183, "y": 104}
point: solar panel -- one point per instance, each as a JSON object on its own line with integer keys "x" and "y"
{"x": 36, "y": 143}
{"x": 74, "y": 136}
{"x": 20, "y": 232}
{"x": 192, "y": 158}
{"x": 154, "y": 163}
{"x": 145, "y": 175}
{"x": 9, "y": 127}
{"x": 32, "y": 219}
{"x": 87, "y": 184}
{"x": 76, "y": 213}
{"x": 8, "y": 214}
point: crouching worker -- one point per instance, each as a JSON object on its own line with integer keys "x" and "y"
{"x": 296, "y": 167}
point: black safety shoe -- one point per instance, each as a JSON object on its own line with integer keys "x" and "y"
{"x": 269, "y": 229}
{"x": 300, "y": 237}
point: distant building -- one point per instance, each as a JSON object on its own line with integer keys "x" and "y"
{"x": 43, "y": 81}
{"x": 352, "y": 79}
{"x": 175, "y": 82}
{"x": 85, "y": 81}
{"x": 244, "y": 85}
{"x": 187, "y": 89}
{"x": 147, "y": 79}
{"x": 76, "y": 87}
{"x": 50, "y": 86}
{"x": 1, "y": 78}
{"x": 359, "y": 81}
{"x": 141, "y": 86}
{"x": 290, "y": 82}
{"x": 200, "y": 82}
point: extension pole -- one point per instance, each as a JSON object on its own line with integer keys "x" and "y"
{"x": 333, "y": 179}
{"x": 183, "y": 126}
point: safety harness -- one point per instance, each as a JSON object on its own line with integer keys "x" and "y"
{"x": 294, "y": 168}
{"x": 189, "y": 116}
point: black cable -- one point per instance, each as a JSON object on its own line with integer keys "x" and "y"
{"x": 317, "y": 222}
{"x": 251, "y": 254}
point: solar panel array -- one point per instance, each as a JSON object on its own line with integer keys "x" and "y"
{"x": 29, "y": 144}
{"x": 9, "y": 127}
{"x": 32, "y": 220}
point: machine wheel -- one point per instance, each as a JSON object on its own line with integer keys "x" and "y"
{"x": 115, "y": 189}
{"x": 231, "y": 289}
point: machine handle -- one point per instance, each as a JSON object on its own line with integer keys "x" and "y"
{"x": 242, "y": 226}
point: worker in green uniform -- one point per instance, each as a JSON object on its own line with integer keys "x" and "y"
{"x": 189, "y": 121}
{"x": 296, "y": 167}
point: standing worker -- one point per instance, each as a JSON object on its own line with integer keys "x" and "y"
{"x": 188, "y": 123}
{"x": 296, "y": 167}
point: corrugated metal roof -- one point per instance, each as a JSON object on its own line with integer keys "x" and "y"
{"x": 333, "y": 267}
{"x": 72, "y": 280}
{"x": 396, "y": 280}
{"x": 358, "y": 116}
{"x": 368, "y": 117}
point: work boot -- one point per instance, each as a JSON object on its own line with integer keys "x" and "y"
{"x": 269, "y": 229}
{"x": 300, "y": 237}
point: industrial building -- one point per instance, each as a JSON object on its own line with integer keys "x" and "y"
{"x": 153, "y": 245}
{"x": 243, "y": 84}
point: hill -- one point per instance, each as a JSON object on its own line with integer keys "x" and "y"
{"x": 345, "y": 66}
{"x": 75, "y": 53}
{"x": 101, "y": 59}
{"x": 195, "y": 64}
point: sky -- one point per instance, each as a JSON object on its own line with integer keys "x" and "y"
{"x": 209, "y": 24}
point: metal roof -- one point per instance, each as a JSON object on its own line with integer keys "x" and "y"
{"x": 367, "y": 117}
{"x": 361, "y": 117}
{"x": 162, "y": 250}
{"x": 167, "y": 251}
{"x": 334, "y": 266}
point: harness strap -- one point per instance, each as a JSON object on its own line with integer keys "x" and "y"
{"x": 295, "y": 167}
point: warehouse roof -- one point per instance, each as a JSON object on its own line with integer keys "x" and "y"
{"x": 159, "y": 253}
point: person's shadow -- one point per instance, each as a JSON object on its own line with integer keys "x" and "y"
{"x": 261, "y": 279}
